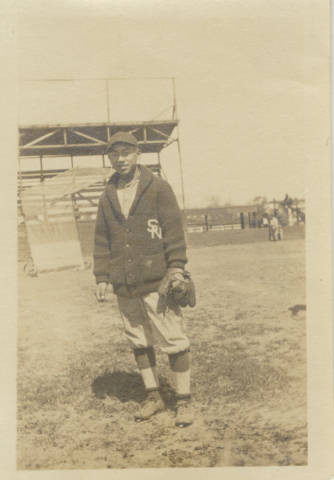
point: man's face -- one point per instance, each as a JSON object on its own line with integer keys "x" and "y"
{"x": 123, "y": 158}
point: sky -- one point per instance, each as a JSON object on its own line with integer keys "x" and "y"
{"x": 239, "y": 68}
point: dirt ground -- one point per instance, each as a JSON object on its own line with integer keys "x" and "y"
{"x": 78, "y": 386}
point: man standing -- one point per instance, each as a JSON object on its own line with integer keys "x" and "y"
{"x": 140, "y": 246}
{"x": 275, "y": 230}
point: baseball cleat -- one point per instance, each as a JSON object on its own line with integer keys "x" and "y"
{"x": 184, "y": 413}
{"x": 150, "y": 406}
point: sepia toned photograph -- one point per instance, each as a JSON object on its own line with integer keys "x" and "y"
{"x": 162, "y": 213}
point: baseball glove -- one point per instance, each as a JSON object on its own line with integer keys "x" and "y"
{"x": 177, "y": 288}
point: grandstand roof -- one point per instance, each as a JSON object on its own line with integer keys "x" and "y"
{"x": 91, "y": 138}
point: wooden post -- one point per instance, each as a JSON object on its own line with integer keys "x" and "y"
{"x": 45, "y": 209}
{"x": 181, "y": 172}
{"x": 206, "y": 221}
{"x": 41, "y": 172}
{"x": 174, "y": 115}
{"x": 20, "y": 175}
{"x": 104, "y": 166}
{"x": 159, "y": 163}
{"x": 20, "y": 189}
{"x": 108, "y": 105}
{"x": 178, "y": 144}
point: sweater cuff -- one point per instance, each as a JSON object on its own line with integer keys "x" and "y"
{"x": 102, "y": 279}
{"x": 175, "y": 270}
{"x": 176, "y": 264}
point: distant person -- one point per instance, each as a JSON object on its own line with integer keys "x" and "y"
{"x": 242, "y": 220}
{"x": 300, "y": 215}
{"x": 273, "y": 225}
{"x": 265, "y": 222}
{"x": 140, "y": 249}
{"x": 275, "y": 229}
{"x": 280, "y": 230}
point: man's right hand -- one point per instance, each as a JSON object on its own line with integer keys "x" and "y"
{"x": 101, "y": 291}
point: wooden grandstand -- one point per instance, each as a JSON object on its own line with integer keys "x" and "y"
{"x": 84, "y": 140}
{"x": 51, "y": 199}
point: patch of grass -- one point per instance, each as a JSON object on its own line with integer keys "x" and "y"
{"x": 78, "y": 387}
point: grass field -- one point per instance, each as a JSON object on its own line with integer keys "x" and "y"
{"x": 194, "y": 240}
{"x": 78, "y": 386}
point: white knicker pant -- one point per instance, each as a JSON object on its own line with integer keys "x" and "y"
{"x": 144, "y": 327}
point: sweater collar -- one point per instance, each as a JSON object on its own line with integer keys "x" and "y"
{"x": 145, "y": 179}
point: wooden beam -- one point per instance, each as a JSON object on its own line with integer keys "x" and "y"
{"x": 76, "y": 145}
{"x": 173, "y": 122}
{"x": 50, "y": 147}
{"x": 134, "y": 130}
{"x": 39, "y": 139}
{"x": 171, "y": 140}
{"x": 78, "y": 194}
{"x": 159, "y": 132}
{"x": 89, "y": 137}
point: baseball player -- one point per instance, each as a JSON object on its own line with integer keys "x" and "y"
{"x": 275, "y": 229}
{"x": 140, "y": 249}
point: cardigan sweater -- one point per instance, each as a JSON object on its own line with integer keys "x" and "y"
{"x": 133, "y": 253}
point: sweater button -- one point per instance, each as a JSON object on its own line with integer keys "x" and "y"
{"x": 129, "y": 260}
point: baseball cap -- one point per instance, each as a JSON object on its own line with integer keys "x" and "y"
{"x": 121, "y": 137}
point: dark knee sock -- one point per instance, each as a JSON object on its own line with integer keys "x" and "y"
{"x": 179, "y": 362}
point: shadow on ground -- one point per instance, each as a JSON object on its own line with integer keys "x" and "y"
{"x": 128, "y": 386}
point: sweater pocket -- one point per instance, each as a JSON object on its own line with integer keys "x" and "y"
{"x": 152, "y": 267}
{"x": 116, "y": 271}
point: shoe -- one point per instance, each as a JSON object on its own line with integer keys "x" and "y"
{"x": 184, "y": 413}
{"x": 151, "y": 405}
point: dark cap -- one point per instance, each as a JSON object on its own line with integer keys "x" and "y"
{"x": 121, "y": 137}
